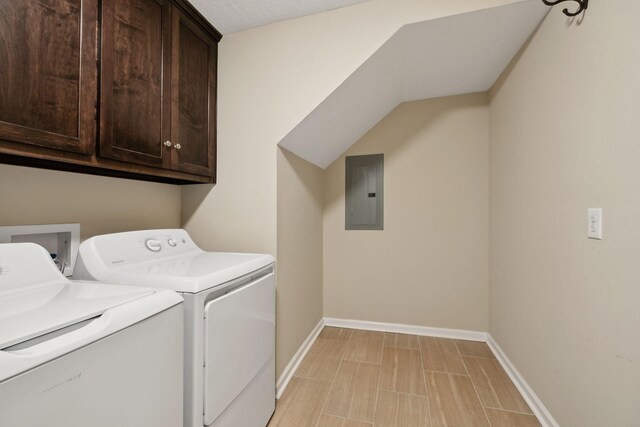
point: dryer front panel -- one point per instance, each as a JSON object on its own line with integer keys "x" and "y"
{"x": 239, "y": 337}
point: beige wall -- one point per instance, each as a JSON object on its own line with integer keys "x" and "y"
{"x": 429, "y": 266}
{"x": 299, "y": 295}
{"x": 100, "y": 204}
{"x": 565, "y": 128}
{"x": 269, "y": 79}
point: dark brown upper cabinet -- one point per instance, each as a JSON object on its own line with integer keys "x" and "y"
{"x": 158, "y": 83}
{"x": 48, "y": 75}
{"x": 193, "y": 124}
{"x": 135, "y": 85}
{"x": 151, "y": 117}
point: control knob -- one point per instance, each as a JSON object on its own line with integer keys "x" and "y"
{"x": 154, "y": 245}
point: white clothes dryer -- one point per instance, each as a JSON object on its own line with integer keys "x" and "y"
{"x": 229, "y": 317}
{"x": 80, "y": 354}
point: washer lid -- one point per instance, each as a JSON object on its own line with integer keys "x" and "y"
{"x": 35, "y": 298}
{"x": 190, "y": 273}
{"x": 37, "y": 310}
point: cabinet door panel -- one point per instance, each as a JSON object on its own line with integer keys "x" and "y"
{"x": 134, "y": 117}
{"x": 194, "y": 97}
{"x": 48, "y": 73}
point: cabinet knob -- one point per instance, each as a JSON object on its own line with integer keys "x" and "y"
{"x": 178, "y": 146}
{"x": 167, "y": 143}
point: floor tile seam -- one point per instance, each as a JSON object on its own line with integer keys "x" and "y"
{"x": 312, "y": 379}
{"x": 401, "y": 348}
{"x": 324, "y": 361}
{"x": 359, "y": 361}
{"x": 509, "y": 410}
{"x": 475, "y": 390}
{"x": 341, "y": 339}
{"x": 477, "y": 396}
{"x": 490, "y": 384}
{"x": 324, "y": 404}
{"x": 351, "y": 359}
{"x": 346, "y": 418}
{"x": 455, "y": 344}
{"x": 448, "y": 373}
{"x": 346, "y": 347}
{"x": 352, "y": 384}
{"x": 343, "y": 359}
{"x": 348, "y": 339}
{"x": 505, "y": 380}
{"x": 381, "y": 351}
{"x": 288, "y": 403}
{"x": 326, "y": 398}
{"x": 375, "y": 404}
{"x": 407, "y": 394}
{"x": 424, "y": 379}
{"x": 411, "y": 352}
{"x": 304, "y": 378}
{"x": 492, "y": 357}
{"x": 465, "y": 366}
{"x": 359, "y": 421}
{"x": 333, "y": 341}
{"x": 420, "y": 352}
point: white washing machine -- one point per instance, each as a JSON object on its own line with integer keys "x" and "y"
{"x": 229, "y": 317}
{"x": 78, "y": 355}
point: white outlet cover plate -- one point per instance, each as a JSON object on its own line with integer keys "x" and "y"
{"x": 594, "y": 223}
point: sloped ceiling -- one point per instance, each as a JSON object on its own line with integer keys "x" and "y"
{"x": 229, "y": 16}
{"x": 444, "y": 57}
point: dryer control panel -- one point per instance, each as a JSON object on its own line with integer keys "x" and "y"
{"x": 121, "y": 249}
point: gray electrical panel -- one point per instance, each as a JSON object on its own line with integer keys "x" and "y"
{"x": 364, "y": 201}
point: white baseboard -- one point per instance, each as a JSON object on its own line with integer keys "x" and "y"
{"x": 290, "y": 369}
{"x": 536, "y": 405}
{"x": 458, "y": 334}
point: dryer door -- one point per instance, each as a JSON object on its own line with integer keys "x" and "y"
{"x": 239, "y": 343}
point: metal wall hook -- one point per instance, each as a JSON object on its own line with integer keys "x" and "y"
{"x": 582, "y": 6}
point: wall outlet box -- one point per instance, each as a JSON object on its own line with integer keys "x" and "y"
{"x": 594, "y": 223}
{"x": 61, "y": 240}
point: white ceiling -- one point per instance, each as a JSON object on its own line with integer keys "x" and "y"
{"x": 443, "y": 57}
{"x": 229, "y": 16}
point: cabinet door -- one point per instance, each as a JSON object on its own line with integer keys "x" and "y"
{"x": 194, "y": 63}
{"x": 48, "y": 73}
{"x": 135, "y": 81}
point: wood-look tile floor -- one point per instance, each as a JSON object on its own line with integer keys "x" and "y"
{"x": 354, "y": 378}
